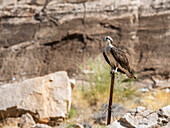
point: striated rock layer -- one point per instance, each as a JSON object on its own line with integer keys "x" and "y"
{"x": 42, "y": 36}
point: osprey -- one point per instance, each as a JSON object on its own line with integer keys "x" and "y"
{"x": 117, "y": 59}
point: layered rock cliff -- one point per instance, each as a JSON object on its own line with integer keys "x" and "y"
{"x": 38, "y": 37}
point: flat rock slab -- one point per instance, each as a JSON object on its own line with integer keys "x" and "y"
{"x": 45, "y": 98}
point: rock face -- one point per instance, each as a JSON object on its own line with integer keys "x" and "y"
{"x": 38, "y": 37}
{"x": 143, "y": 118}
{"x": 43, "y": 99}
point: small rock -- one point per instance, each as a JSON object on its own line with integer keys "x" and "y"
{"x": 167, "y": 90}
{"x": 143, "y": 90}
{"x": 9, "y": 123}
{"x": 164, "y": 115}
{"x": 165, "y": 112}
{"x": 129, "y": 120}
{"x": 140, "y": 109}
{"x": 44, "y": 120}
{"x": 87, "y": 125}
{"x": 77, "y": 125}
{"x": 137, "y": 110}
{"x": 26, "y": 121}
{"x": 146, "y": 113}
{"x": 41, "y": 126}
{"x": 115, "y": 124}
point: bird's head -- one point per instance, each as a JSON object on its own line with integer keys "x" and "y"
{"x": 108, "y": 39}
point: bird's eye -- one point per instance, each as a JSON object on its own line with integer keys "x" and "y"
{"x": 105, "y": 39}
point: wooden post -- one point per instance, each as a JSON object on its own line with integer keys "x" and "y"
{"x": 110, "y": 99}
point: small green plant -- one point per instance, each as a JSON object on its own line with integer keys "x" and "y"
{"x": 70, "y": 125}
{"x": 72, "y": 112}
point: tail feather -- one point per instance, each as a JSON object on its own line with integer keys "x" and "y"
{"x": 131, "y": 75}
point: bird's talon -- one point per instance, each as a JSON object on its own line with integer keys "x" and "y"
{"x": 113, "y": 72}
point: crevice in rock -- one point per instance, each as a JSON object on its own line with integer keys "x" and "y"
{"x": 15, "y": 112}
{"x": 149, "y": 69}
{"x": 14, "y": 16}
{"x": 51, "y": 43}
{"x": 76, "y": 2}
{"x": 154, "y": 82}
{"x": 45, "y": 5}
{"x": 5, "y": 47}
{"x": 54, "y": 20}
{"x": 108, "y": 25}
{"x": 147, "y": 72}
{"x": 89, "y": 38}
{"x": 140, "y": 56}
{"x": 73, "y": 36}
{"x": 53, "y": 121}
{"x": 37, "y": 17}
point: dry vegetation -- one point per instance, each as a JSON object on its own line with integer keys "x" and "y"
{"x": 86, "y": 100}
{"x": 156, "y": 99}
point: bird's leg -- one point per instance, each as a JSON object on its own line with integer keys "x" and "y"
{"x": 116, "y": 70}
{"x": 113, "y": 71}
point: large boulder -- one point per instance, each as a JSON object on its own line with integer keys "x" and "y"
{"x": 46, "y": 98}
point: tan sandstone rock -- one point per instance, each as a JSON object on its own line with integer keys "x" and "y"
{"x": 42, "y": 97}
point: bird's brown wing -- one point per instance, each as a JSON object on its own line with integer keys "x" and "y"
{"x": 120, "y": 57}
{"x": 107, "y": 60}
